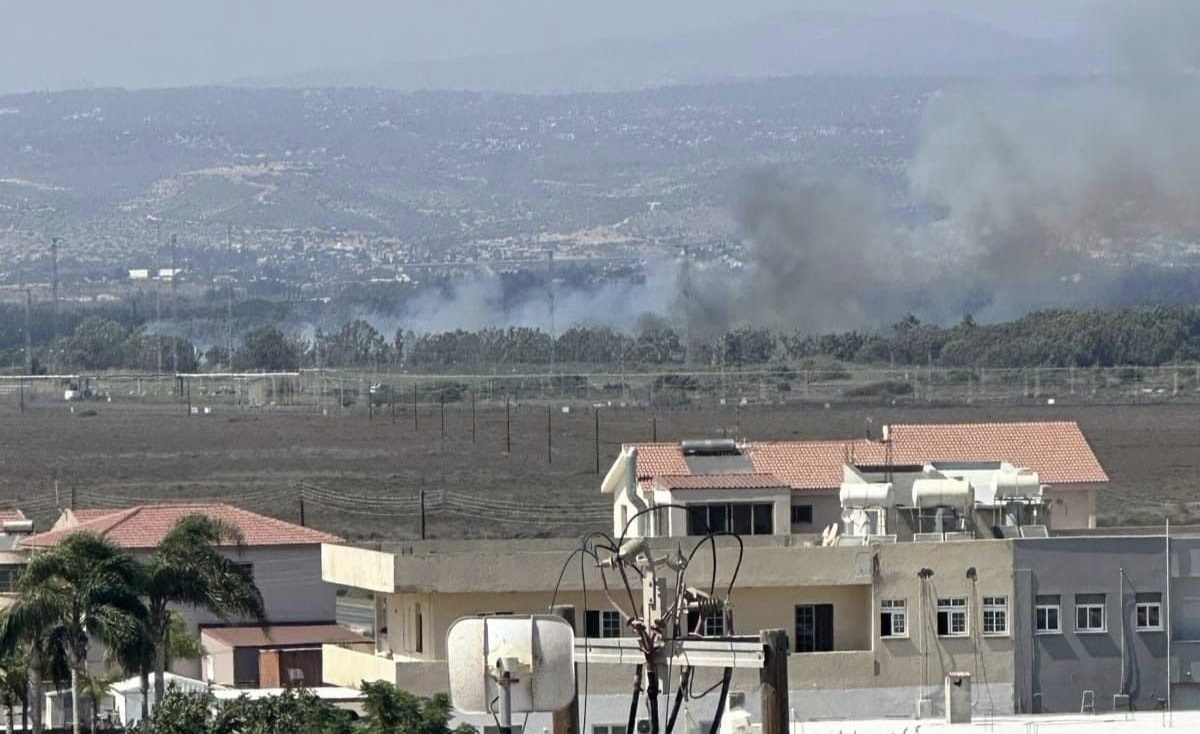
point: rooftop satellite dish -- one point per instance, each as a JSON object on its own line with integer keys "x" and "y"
{"x": 519, "y": 664}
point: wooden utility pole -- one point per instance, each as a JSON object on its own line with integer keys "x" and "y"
{"x": 566, "y": 719}
{"x": 189, "y": 396}
{"x": 654, "y": 429}
{"x": 773, "y": 680}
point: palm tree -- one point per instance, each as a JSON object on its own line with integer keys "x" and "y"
{"x": 187, "y": 569}
{"x": 14, "y": 689}
{"x": 135, "y": 656}
{"x": 85, "y": 587}
{"x": 95, "y": 687}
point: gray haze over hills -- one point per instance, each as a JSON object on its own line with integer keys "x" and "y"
{"x": 477, "y": 44}
{"x": 956, "y": 158}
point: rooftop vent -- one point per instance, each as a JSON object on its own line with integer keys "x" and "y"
{"x": 709, "y": 447}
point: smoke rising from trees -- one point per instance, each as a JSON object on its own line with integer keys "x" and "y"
{"x": 1045, "y": 193}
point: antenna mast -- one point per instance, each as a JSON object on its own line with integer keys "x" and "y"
{"x": 53, "y": 288}
{"x": 174, "y": 342}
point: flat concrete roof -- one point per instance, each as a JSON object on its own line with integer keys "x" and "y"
{"x": 1104, "y": 722}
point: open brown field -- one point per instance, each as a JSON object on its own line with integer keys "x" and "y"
{"x": 363, "y": 478}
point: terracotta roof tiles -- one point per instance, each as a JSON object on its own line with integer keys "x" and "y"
{"x": 1056, "y": 450}
{"x": 720, "y": 481}
{"x": 146, "y": 525}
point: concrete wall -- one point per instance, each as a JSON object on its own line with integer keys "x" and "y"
{"x": 827, "y": 508}
{"x": 1064, "y": 665}
{"x": 217, "y": 666}
{"x": 1071, "y": 508}
{"x": 359, "y": 568}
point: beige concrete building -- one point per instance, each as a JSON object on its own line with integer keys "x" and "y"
{"x": 852, "y": 615}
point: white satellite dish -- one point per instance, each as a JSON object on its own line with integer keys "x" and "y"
{"x": 506, "y": 664}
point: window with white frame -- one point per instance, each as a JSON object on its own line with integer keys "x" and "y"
{"x": 1148, "y": 612}
{"x": 608, "y": 729}
{"x": 1047, "y": 613}
{"x": 1089, "y": 613}
{"x": 995, "y": 615}
{"x": 602, "y": 623}
{"x": 713, "y": 624}
{"x": 952, "y": 616}
{"x": 893, "y": 618}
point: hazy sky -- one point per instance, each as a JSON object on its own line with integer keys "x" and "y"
{"x": 56, "y": 44}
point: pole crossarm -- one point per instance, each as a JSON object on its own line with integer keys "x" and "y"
{"x": 729, "y": 652}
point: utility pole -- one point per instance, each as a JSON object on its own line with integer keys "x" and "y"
{"x": 442, "y": 409}
{"x": 472, "y": 416}
{"x": 773, "y": 679}
{"x": 28, "y": 333}
{"x": 53, "y": 288}
{"x": 550, "y": 297}
{"x": 549, "y": 433}
{"x": 596, "y": 436}
{"x": 414, "y": 402}
{"x": 174, "y": 305}
{"x": 507, "y": 427}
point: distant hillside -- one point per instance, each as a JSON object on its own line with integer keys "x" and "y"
{"x": 927, "y": 44}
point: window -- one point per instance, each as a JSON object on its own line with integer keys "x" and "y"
{"x": 814, "y": 628}
{"x": 713, "y": 626}
{"x": 893, "y": 618}
{"x": 743, "y": 518}
{"x": 8, "y": 576}
{"x": 1046, "y": 612}
{"x": 602, "y": 623}
{"x": 995, "y": 615}
{"x": 802, "y": 514}
{"x": 1089, "y": 613}
{"x": 952, "y": 616}
{"x": 1148, "y": 612}
{"x": 609, "y": 729}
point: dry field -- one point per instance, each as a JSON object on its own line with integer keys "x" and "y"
{"x": 363, "y": 478}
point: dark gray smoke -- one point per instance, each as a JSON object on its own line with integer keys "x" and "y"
{"x": 818, "y": 256}
{"x": 1050, "y": 191}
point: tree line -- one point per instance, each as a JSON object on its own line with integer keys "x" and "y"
{"x": 1050, "y": 338}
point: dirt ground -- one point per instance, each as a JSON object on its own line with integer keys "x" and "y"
{"x": 364, "y": 478}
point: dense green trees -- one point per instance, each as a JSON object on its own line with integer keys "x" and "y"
{"x": 269, "y": 350}
{"x": 388, "y": 711}
{"x": 1050, "y": 338}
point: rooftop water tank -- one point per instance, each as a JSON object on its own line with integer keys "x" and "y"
{"x": 867, "y": 494}
{"x": 1018, "y": 483}
{"x": 942, "y": 492}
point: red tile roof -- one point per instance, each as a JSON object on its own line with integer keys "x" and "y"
{"x": 146, "y": 525}
{"x": 720, "y": 481}
{"x": 290, "y": 635}
{"x": 85, "y": 515}
{"x": 1057, "y": 451}
{"x": 11, "y": 515}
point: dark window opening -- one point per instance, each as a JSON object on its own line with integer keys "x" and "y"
{"x": 814, "y": 628}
